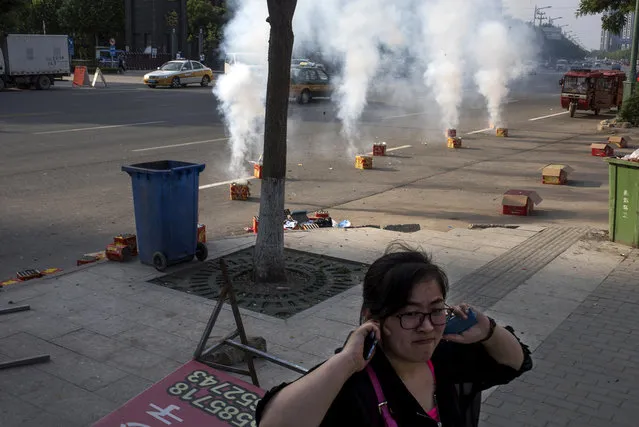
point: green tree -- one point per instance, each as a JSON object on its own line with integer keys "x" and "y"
{"x": 268, "y": 262}
{"x": 10, "y": 14}
{"x": 40, "y": 16}
{"x": 94, "y": 20}
{"x": 207, "y": 15}
{"x": 616, "y": 11}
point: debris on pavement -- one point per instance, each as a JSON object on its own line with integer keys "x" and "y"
{"x": 485, "y": 226}
{"x": 29, "y": 274}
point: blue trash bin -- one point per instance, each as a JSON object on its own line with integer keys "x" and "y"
{"x": 165, "y": 201}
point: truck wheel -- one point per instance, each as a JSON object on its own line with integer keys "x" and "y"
{"x": 573, "y": 108}
{"x": 43, "y": 83}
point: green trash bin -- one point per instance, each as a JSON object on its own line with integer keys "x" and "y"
{"x": 624, "y": 202}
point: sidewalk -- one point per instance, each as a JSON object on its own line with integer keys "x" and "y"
{"x": 570, "y": 295}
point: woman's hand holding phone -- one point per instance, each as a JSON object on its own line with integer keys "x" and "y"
{"x": 473, "y": 334}
{"x": 363, "y": 339}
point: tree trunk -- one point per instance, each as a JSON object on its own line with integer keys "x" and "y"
{"x": 269, "y": 264}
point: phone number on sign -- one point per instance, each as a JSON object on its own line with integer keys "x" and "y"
{"x": 228, "y": 402}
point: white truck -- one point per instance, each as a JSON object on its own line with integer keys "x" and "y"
{"x": 33, "y": 60}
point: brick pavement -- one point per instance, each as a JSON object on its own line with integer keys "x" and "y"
{"x": 111, "y": 333}
{"x": 586, "y": 372}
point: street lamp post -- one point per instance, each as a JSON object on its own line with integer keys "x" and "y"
{"x": 537, "y": 10}
{"x": 552, "y": 20}
{"x": 629, "y": 85}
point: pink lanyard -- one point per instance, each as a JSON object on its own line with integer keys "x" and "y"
{"x": 382, "y": 404}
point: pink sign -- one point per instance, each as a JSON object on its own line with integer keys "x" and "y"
{"x": 195, "y": 395}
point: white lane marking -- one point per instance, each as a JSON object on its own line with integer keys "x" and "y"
{"x": 97, "y": 128}
{"x": 401, "y": 147}
{"x": 180, "y": 145}
{"x": 404, "y": 115}
{"x": 548, "y": 116}
{"x": 218, "y": 184}
{"x": 479, "y": 131}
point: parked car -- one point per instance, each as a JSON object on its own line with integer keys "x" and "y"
{"x": 179, "y": 73}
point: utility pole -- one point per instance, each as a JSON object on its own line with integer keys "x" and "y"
{"x": 629, "y": 85}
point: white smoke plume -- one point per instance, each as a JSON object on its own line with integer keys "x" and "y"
{"x": 242, "y": 91}
{"x": 500, "y": 53}
{"x": 241, "y": 102}
{"x": 375, "y": 46}
{"x": 445, "y": 32}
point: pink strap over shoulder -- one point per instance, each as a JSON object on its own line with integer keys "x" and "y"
{"x": 382, "y": 405}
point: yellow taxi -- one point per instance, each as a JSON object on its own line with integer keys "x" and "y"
{"x": 179, "y": 73}
{"x": 308, "y": 81}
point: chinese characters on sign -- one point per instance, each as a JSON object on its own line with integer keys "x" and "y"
{"x": 626, "y": 204}
{"x": 194, "y": 395}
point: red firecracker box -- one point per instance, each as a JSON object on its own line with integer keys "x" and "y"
{"x": 118, "y": 252}
{"x": 240, "y": 191}
{"x": 602, "y": 150}
{"x": 379, "y": 149}
{"x": 201, "y": 233}
{"x": 454, "y": 142}
{"x": 256, "y": 223}
{"x": 619, "y": 141}
{"x": 257, "y": 171}
{"x": 128, "y": 240}
{"x": 502, "y": 132}
{"x": 364, "y": 162}
{"x": 555, "y": 174}
{"x": 519, "y": 202}
{"x": 451, "y": 133}
{"x": 321, "y": 214}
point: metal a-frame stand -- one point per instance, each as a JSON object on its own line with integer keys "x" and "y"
{"x": 201, "y": 352}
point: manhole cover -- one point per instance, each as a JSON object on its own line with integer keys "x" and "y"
{"x": 312, "y": 279}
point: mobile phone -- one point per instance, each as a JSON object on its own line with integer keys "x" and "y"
{"x": 458, "y": 325}
{"x": 369, "y": 345}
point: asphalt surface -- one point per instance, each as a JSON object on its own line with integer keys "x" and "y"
{"x": 63, "y": 193}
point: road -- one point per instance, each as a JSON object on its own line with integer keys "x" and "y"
{"x": 63, "y": 193}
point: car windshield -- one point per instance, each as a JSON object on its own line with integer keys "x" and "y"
{"x": 575, "y": 85}
{"x": 171, "y": 66}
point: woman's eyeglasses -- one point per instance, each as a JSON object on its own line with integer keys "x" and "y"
{"x": 414, "y": 319}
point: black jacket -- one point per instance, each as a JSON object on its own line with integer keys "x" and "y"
{"x": 461, "y": 372}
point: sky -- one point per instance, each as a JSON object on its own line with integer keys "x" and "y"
{"x": 587, "y": 28}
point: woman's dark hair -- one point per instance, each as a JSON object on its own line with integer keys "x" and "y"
{"x": 389, "y": 281}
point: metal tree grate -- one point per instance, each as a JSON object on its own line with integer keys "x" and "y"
{"x": 312, "y": 279}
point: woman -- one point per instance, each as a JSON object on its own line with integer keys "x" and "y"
{"x": 417, "y": 376}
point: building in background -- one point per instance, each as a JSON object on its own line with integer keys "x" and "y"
{"x": 156, "y": 26}
{"x": 611, "y": 42}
